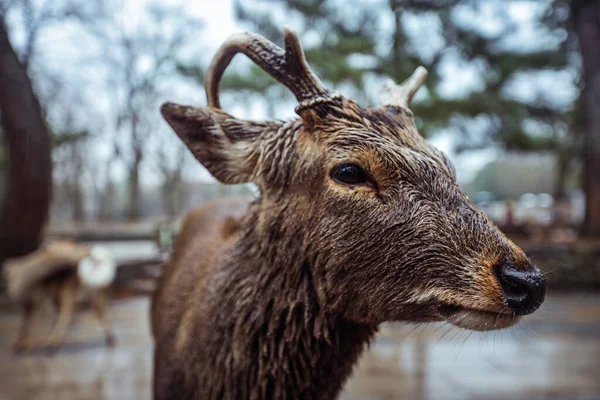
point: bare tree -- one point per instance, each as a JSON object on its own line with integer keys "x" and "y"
{"x": 35, "y": 16}
{"x": 139, "y": 59}
{"x": 106, "y": 192}
{"x": 25, "y": 207}
{"x": 170, "y": 164}
{"x": 58, "y": 102}
{"x": 71, "y": 159}
{"x": 586, "y": 14}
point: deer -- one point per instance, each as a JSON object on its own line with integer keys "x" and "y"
{"x": 358, "y": 221}
{"x": 60, "y": 273}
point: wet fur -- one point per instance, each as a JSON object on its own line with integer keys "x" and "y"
{"x": 283, "y": 306}
{"x": 62, "y": 290}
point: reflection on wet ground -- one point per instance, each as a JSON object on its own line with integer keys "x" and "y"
{"x": 554, "y": 354}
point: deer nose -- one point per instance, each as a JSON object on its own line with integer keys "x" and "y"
{"x": 524, "y": 291}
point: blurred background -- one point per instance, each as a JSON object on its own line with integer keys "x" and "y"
{"x": 513, "y": 97}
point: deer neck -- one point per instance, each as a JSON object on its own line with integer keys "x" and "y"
{"x": 283, "y": 343}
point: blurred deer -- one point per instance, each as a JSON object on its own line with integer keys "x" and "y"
{"x": 359, "y": 221}
{"x": 59, "y": 274}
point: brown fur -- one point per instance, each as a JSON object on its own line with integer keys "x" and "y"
{"x": 62, "y": 291}
{"x": 23, "y": 273}
{"x": 48, "y": 277}
{"x": 282, "y": 306}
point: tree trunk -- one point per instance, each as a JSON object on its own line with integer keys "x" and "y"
{"x": 78, "y": 197}
{"x": 133, "y": 207}
{"x": 107, "y": 203}
{"x": 78, "y": 200}
{"x": 586, "y": 15}
{"x": 563, "y": 160}
{"x": 397, "y": 53}
{"x": 167, "y": 199}
{"x": 171, "y": 193}
{"x": 25, "y": 207}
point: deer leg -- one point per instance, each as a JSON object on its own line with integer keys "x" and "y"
{"x": 53, "y": 308}
{"x": 67, "y": 297}
{"x": 23, "y": 342}
{"x": 99, "y": 305}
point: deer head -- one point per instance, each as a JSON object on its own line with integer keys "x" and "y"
{"x": 376, "y": 211}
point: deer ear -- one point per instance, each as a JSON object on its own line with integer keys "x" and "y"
{"x": 227, "y": 147}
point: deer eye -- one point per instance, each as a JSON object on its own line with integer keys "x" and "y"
{"x": 349, "y": 174}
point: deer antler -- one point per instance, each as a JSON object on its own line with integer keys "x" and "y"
{"x": 289, "y": 67}
{"x": 400, "y": 95}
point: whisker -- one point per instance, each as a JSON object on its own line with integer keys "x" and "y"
{"x": 482, "y": 338}
{"x": 452, "y": 327}
{"x": 440, "y": 327}
{"x": 463, "y": 344}
{"x": 529, "y": 332}
{"x": 410, "y": 332}
{"x": 458, "y": 337}
{"x": 425, "y": 326}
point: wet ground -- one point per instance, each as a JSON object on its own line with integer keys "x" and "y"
{"x": 554, "y": 354}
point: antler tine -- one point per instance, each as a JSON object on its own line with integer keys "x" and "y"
{"x": 400, "y": 95}
{"x": 289, "y": 67}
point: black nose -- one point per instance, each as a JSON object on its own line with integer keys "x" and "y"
{"x": 524, "y": 291}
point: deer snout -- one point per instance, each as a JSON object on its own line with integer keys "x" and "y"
{"x": 524, "y": 291}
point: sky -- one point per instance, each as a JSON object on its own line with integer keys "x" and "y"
{"x": 64, "y": 48}
{"x": 220, "y": 23}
